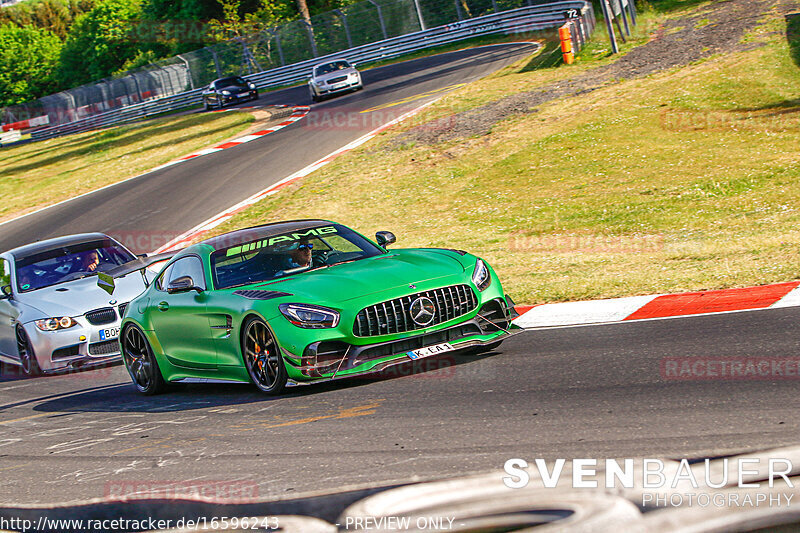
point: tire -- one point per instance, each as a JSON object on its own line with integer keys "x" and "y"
{"x": 141, "y": 363}
{"x": 27, "y": 356}
{"x": 262, "y": 357}
{"x": 206, "y": 107}
{"x": 314, "y": 97}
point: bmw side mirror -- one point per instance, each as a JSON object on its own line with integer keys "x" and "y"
{"x": 385, "y": 238}
{"x": 182, "y": 284}
{"x": 5, "y": 292}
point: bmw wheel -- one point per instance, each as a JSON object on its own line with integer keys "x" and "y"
{"x": 262, "y": 357}
{"x": 27, "y": 357}
{"x": 140, "y": 362}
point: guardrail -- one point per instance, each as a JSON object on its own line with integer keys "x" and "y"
{"x": 11, "y": 136}
{"x": 532, "y": 18}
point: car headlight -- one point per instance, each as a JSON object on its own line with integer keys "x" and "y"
{"x": 251, "y": 85}
{"x": 55, "y": 323}
{"x": 226, "y": 93}
{"x": 310, "y": 316}
{"x": 480, "y": 276}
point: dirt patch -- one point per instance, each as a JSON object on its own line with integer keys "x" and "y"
{"x": 679, "y": 42}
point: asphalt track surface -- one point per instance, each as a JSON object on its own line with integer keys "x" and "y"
{"x": 167, "y": 202}
{"x": 590, "y": 392}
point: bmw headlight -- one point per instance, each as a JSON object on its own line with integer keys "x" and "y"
{"x": 310, "y": 316}
{"x": 480, "y": 276}
{"x": 251, "y": 85}
{"x": 55, "y": 323}
{"x": 226, "y": 93}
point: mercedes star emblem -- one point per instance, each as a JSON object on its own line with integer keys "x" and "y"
{"x": 422, "y": 311}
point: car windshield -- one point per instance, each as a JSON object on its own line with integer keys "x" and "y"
{"x": 230, "y": 82}
{"x": 331, "y": 67}
{"x": 277, "y": 256}
{"x": 68, "y": 263}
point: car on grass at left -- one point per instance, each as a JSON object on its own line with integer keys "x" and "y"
{"x": 53, "y": 315}
{"x": 305, "y": 301}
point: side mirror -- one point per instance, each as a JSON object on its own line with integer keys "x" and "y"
{"x": 182, "y": 284}
{"x": 385, "y": 238}
{"x": 5, "y": 292}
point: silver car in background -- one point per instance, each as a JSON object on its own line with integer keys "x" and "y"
{"x": 332, "y": 77}
{"x": 53, "y": 314}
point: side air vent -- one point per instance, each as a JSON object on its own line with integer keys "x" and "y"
{"x": 261, "y": 295}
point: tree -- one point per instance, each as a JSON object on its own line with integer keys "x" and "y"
{"x": 28, "y": 58}
{"x": 99, "y": 43}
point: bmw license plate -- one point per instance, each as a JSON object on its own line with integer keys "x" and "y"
{"x": 430, "y": 350}
{"x": 109, "y": 333}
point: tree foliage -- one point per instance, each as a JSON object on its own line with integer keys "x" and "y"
{"x": 99, "y": 43}
{"x": 28, "y": 58}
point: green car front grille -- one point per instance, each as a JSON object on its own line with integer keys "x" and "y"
{"x": 395, "y": 316}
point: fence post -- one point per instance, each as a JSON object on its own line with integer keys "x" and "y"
{"x": 458, "y": 10}
{"x": 346, "y": 27}
{"x": 632, "y": 10}
{"x": 310, "y": 30}
{"x": 624, "y": 17}
{"x": 380, "y": 18}
{"x": 609, "y": 26}
{"x": 216, "y": 61}
{"x": 188, "y": 74}
{"x": 419, "y": 15}
{"x": 275, "y": 34}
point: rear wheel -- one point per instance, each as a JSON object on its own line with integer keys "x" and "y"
{"x": 141, "y": 363}
{"x": 27, "y": 357}
{"x": 262, "y": 357}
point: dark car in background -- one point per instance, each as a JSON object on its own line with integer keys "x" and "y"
{"x": 229, "y": 90}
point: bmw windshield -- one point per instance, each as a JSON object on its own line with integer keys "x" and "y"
{"x": 68, "y": 263}
{"x": 286, "y": 254}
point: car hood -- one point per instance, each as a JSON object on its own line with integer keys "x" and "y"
{"x": 75, "y": 298}
{"x": 234, "y": 89}
{"x": 384, "y": 273}
{"x": 336, "y": 74}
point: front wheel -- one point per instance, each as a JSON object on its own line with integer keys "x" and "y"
{"x": 27, "y": 356}
{"x": 262, "y": 357}
{"x": 141, "y": 363}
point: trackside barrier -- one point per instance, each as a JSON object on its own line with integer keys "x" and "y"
{"x": 525, "y": 19}
{"x": 10, "y": 137}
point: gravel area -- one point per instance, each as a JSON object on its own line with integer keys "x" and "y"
{"x": 678, "y": 42}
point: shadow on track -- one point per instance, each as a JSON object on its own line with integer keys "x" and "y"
{"x": 123, "y": 398}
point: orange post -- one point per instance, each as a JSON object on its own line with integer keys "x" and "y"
{"x": 566, "y": 44}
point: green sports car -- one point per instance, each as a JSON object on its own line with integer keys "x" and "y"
{"x": 304, "y": 301}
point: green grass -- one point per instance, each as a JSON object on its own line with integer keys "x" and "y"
{"x": 39, "y": 174}
{"x": 685, "y": 180}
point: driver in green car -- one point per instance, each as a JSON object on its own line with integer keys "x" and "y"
{"x": 299, "y": 257}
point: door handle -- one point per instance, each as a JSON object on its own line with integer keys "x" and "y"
{"x": 163, "y": 306}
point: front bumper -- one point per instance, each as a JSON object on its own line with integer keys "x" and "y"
{"x": 325, "y": 360}
{"x": 228, "y": 98}
{"x": 80, "y": 346}
{"x": 338, "y": 88}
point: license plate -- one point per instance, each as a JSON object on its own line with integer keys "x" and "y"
{"x": 430, "y": 350}
{"x": 109, "y": 333}
{"x": 339, "y": 85}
